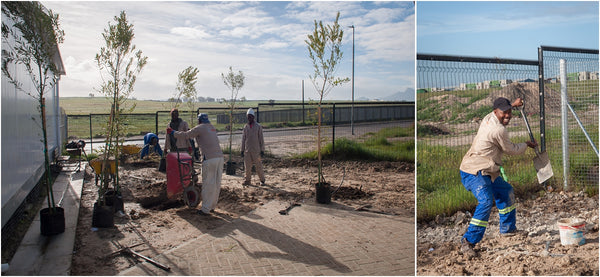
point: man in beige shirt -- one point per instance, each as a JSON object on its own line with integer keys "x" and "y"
{"x": 480, "y": 174}
{"x": 253, "y": 148}
{"x": 212, "y": 164}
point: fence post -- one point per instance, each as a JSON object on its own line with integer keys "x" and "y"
{"x": 565, "y": 121}
{"x": 156, "y": 123}
{"x": 542, "y": 109}
{"x": 333, "y": 133}
{"x": 91, "y": 142}
{"x": 303, "y": 102}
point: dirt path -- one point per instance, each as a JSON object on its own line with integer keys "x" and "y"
{"x": 536, "y": 251}
{"x": 159, "y": 224}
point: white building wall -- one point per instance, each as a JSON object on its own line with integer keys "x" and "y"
{"x": 21, "y": 141}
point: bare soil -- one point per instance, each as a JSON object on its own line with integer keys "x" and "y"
{"x": 536, "y": 250}
{"x": 153, "y": 224}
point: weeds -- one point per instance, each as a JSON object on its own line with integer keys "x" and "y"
{"x": 374, "y": 147}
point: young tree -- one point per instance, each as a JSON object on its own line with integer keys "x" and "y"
{"x": 234, "y": 82}
{"x": 324, "y": 51}
{"x": 186, "y": 88}
{"x": 35, "y": 36}
{"x": 119, "y": 65}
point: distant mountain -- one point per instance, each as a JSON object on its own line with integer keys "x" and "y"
{"x": 407, "y": 95}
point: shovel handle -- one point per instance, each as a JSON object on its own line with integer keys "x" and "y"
{"x": 159, "y": 265}
{"x": 528, "y": 129}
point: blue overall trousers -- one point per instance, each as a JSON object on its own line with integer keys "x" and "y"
{"x": 486, "y": 192}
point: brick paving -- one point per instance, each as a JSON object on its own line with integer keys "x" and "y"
{"x": 313, "y": 239}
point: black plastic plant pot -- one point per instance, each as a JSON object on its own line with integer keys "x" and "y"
{"x": 102, "y": 216}
{"x": 114, "y": 199}
{"x": 230, "y": 168}
{"x": 162, "y": 165}
{"x": 52, "y": 221}
{"x": 323, "y": 193}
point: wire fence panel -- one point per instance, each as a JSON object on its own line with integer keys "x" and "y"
{"x": 455, "y": 93}
{"x": 582, "y": 94}
{"x": 289, "y": 129}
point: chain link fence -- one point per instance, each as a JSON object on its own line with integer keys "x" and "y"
{"x": 455, "y": 93}
{"x": 289, "y": 128}
{"x": 581, "y": 140}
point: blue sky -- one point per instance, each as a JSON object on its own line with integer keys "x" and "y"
{"x": 505, "y": 29}
{"x": 265, "y": 40}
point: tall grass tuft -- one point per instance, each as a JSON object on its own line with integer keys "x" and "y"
{"x": 380, "y": 146}
{"x": 440, "y": 190}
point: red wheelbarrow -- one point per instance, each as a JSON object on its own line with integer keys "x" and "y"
{"x": 182, "y": 178}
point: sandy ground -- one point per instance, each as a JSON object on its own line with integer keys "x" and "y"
{"x": 535, "y": 251}
{"x": 157, "y": 224}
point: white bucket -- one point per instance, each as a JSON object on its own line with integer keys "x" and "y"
{"x": 572, "y": 231}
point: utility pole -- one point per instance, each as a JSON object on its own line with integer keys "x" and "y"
{"x": 352, "y": 109}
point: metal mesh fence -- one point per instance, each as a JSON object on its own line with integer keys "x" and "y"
{"x": 289, "y": 129}
{"x": 582, "y": 95}
{"x": 295, "y": 125}
{"x": 455, "y": 93}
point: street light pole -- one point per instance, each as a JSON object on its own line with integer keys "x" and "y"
{"x": 352, "y": 109}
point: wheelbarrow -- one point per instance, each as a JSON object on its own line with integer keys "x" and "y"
{"x": 130, "y": 149}
{"x": 96, "y": 164}
{"x": 182, "y": 178}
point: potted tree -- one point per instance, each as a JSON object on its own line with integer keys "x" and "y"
{"x": 186, "y": 90}
{"x": 324, "y": 50}
{"x": 33, "y": 45}
{"x": 234, "y": 82}
{"x": 119, "y": 65}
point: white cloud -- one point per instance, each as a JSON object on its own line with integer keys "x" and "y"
{"x": 387, "y": 41}
{"x": 264, "y": 40}
{"x": 272, "y": 44}
{"x": 190, "y": 33}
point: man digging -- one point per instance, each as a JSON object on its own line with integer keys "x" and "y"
{"x": 212, "y": 162}
{"x": 480, "y": 174}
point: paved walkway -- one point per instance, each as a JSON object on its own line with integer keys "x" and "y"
{"x": 41, "y": 255}
{"x": 313, "y": 239}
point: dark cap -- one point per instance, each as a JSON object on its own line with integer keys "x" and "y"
{"x": 503, "y": 104}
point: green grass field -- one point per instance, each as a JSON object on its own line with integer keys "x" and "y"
{"x": 101, "y": 105}
{"x": 440, "y": 191}
{"x": 143, "y": 117}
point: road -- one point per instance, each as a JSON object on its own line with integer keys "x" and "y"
{"x": 280, "y": 141}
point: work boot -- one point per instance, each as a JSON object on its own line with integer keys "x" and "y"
{"x": 202, "y": 213}
{"x": 508, "y": 234}
{"x": 511, "y": 233}
{"x": 466, "y": 248}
